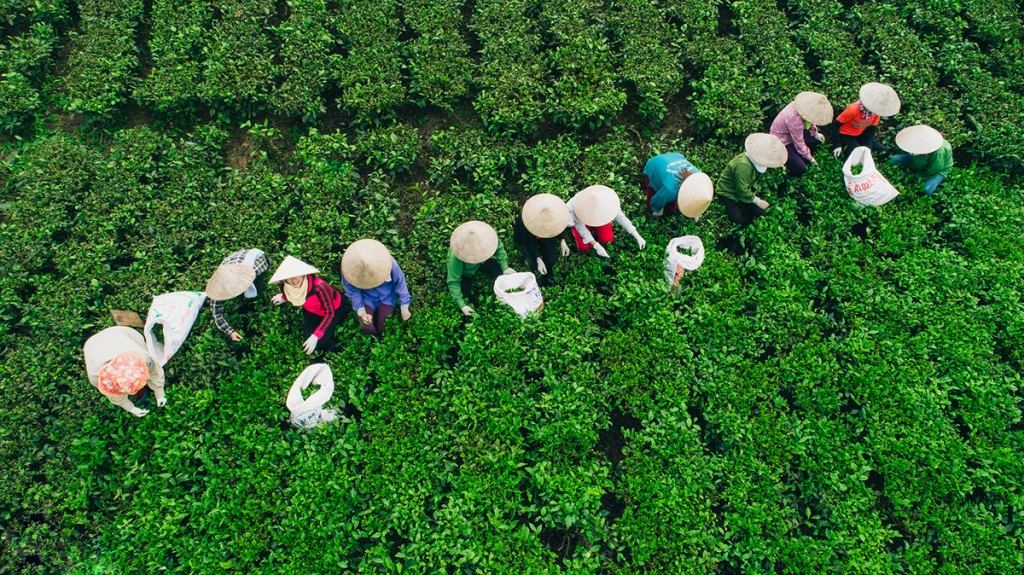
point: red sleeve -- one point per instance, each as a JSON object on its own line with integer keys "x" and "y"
{"x": 324, "y": 292}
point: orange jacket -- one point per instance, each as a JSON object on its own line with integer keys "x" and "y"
{"x": 856, "y": 119}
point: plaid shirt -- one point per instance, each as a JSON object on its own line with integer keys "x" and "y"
{"x": 217, "y": 307}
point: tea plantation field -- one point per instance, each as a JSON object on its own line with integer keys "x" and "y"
{"x": 836, "y": 390}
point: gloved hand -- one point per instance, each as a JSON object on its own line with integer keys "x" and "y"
{"x": 509, "y": 271}
{"x": 138, "y": 412}
{"x": 565, "y": 249}
{"x": 820, "y": 137}
{"x": 406, "y": 314}
{"x": 640, "y": 241}
{"x": 658, "y": 213}
{"x": 467, "y": 311}
{"x": 364, "y": 318}
{"x": 837, "y": 152}
{"x": 813, "y": 161}
{"x": 310, "y": 345}
{"x": 761, "y": 203}
{"x": 543, "y": 269}
{"x": 161, "y": 402}
{"x": 236, "y": 337}
{"x": 600, "y": 250}
{"x": 278, "y": 299}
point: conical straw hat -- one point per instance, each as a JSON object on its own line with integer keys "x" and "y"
{"x": 919, "y": 139}
{"x": 814, "y": 108}
{"x": 290, "y": 268}
{"x": 366, "y": 264}
{"x": 229, "y": 281}
{"x": 474, "y": 242}
{"x": 695, "y": 194}
{"x": 879, "y": 99}
{"x": 124, "y": 375}
{"x": 766, "y": 149}
{"x": 545, "y": 215}
{"x": 596, "y": 205}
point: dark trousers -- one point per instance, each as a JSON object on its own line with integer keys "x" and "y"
{"x": 379, "y": 315}
{"x": 796, "y": 165}
{"x": 850, "y": 142}
{"x": 741, "y": 213}
{"x": 310, "y": 321}
{"x": 489, "y": 267}
{"x": 548, "y": 248}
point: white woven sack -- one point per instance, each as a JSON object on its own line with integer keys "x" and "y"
{"x": 676, "y": 264}
{"x": 176, "y": 312}
{"x": 309, "y": 412}
{"x": 520, "y": 291}
{"x": 869, "y": 187}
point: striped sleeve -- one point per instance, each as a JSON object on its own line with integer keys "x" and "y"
{"x": 261, "y": 265}
{"x": 324, "y": 292}
{"x": 217, "y": 309}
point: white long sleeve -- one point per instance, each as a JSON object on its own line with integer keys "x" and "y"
{"x": 580, "y": 227}
{"x": 626, "y": 224}
{"x": 584, "y": 232}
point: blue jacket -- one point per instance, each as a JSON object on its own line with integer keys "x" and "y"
{"x": 661, "y": 172}
{"x": 390, "y": 292}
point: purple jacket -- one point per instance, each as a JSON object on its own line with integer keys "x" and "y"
{"x": 388, "y": 292}
{"x": 789, "y": 127}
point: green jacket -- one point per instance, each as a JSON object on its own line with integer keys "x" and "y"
{"x": 458, "y": 268}
{"x": 737, "y": 182}
{"x": 928, "y": 166}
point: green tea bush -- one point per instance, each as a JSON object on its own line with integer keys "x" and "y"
{"x": 906, "y": 63}
{"x": 551, "y": 167}
{"x": 764, "y": 30}
{"x": 999, "y": 25}
{"x": 238, "y": 68}
{"x": 487, "y": 160}
{"x": 306, "y": 43}
{"x": 179, "y": 32}
{"x": 103, "y": 55}
{"x": 371, "y": 73}
{"x": 513, "y": 76}
{"x": 986, "y": 99}
{"x": 583, "y": 90}
{"x": 392, "y": 149}
{"x": 835, "y": 389}
{"x": 649, "y": 52}
{"x": 833, "y": 47}
{"x": 21, "y": 60}
{"x": 726, "y": 99}
{"x": 28, "y": 36}
{"x": 441, "y": 69}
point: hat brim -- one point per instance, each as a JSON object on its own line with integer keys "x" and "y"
{"x": 474, "y": 242}
{"x": 920, "y": 139}
{"x": 290, "y": 268}
{"x": 766, "y": 149}
{"x": 695, "y": 195}
{"x": 229, "y": 281}
{"x": 814, "y": 108}
{"x": 366, "y": 264}
{"x": 545, "y": 215}
{"x": 596, "y": 205}
{"x": 880, "y": 99}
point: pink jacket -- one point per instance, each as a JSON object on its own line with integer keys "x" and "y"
{"x": 789, "y": 127}
{"x": 322, "y": 300}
